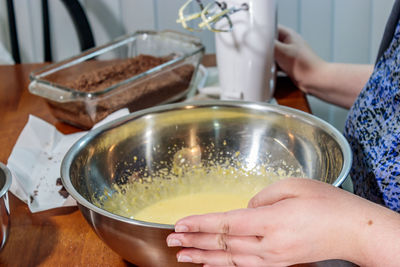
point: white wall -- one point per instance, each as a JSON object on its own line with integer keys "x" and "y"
{"x": 338, "y": 30}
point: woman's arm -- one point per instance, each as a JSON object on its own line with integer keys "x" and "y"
{"x": 381, "y": 238}
{"x": 336, "y": 83}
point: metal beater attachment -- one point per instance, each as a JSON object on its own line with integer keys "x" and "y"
{"x": 207, "y": 14}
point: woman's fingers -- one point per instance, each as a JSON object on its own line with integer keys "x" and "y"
{"x": 235, "y": 222}
{"x": 218, "y": 258}
{"x": 288, "y": 188}
{"x": 282, "y": 51}
{"x": 283, "y": 33}
{"x": 275, "y": 192}
{"x": 234, "y": 244}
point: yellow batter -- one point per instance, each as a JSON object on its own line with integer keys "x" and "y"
{"x": 165, "y": 200}
{"x": 168, "y": 211}
{"x": 189, "y": 188}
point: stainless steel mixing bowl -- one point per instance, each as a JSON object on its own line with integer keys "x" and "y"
{"x": 140, "y": 141}
{"x": 5, "y": 183}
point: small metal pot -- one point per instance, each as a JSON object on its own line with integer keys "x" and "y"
{"x": 5, "y": 183}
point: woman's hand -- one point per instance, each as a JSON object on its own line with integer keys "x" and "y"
{"x": 336, "y": 83}
{"x": 296, "y": 58}
{"x": 295, "y": 220}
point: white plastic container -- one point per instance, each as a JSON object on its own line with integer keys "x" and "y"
{"x": 245, "y": 55}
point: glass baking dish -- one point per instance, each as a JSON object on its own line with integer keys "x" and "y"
{"x": 137, "y": 71}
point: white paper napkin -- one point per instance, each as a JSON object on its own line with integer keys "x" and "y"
{"x": 35, "y": 163}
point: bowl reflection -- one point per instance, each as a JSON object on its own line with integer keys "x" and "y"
{"x": 5, "y": 183}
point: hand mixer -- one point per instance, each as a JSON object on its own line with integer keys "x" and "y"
{"x": 245, "y": 31}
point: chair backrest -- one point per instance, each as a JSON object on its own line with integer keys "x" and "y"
{"x": 78, "y": 16}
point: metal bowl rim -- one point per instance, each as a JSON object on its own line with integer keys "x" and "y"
{"x": 75, "y": 148}
{"x": 8, "y": 180}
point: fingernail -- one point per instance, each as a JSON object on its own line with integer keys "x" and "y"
{"x": 174, "y": 243}
{"x": 184, "y": 258}
{"x": 181, "y": 228}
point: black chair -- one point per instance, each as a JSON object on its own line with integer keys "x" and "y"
{"x": 79, "y": 19}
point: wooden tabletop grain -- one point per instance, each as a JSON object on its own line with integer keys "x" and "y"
{"x": 61, "y": 237}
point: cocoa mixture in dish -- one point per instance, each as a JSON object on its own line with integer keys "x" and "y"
{"x": 144, "y": 92}
{"x": 107, "y": 76}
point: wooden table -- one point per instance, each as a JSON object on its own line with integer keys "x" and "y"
{"x": 61, "y": 237}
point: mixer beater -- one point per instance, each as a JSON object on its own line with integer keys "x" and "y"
{"x": 208, "y": 15}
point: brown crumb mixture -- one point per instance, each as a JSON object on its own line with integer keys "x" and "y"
{"x": 103, "y": 78}
{"x": 97, "y": 75}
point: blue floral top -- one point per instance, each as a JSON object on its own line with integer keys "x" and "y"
{"x": 373, "y": 131}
